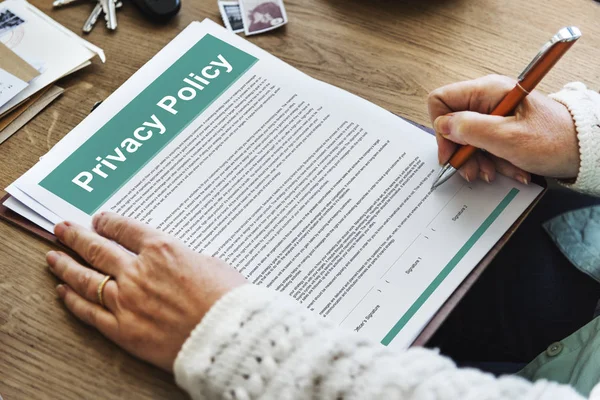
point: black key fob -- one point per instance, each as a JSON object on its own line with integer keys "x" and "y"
{"x": 159, "y": 10}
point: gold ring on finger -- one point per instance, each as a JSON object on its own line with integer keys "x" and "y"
{"x": 101, "y": 289}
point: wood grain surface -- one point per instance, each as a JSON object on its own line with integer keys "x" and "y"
{"x": 390, "y": 52}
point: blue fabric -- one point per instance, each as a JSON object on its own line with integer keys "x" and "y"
{"x": 530, "y": 295}
{"x": 577, "y": 235}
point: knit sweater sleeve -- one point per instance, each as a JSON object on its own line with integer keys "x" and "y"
{"x": 256, "y": 343}
{"x": 584, "y": 106}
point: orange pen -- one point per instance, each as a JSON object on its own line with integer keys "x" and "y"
{"x": 543, "y": 62}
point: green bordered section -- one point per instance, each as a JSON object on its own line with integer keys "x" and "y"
{"x": 449, "y": 267}
{"x": 135, "y": 144}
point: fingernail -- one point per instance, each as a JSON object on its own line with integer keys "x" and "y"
{"x": 522, "y": 179}
{"x": 467, "y": 177}
{"x": 486, "y": 177}
{"x": 51, "y": 258}
{"x": 61, "y": 290}
{"x": 96, "y": 219}
{"x": 442, "y": 124}
{"x": 61, "y": 228}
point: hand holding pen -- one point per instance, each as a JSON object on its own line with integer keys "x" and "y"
{"x": 538, "y": 136}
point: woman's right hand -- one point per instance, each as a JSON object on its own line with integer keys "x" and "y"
{"x": 540, "y": 138}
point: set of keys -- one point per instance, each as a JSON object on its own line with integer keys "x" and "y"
{"x": 106, "y": 7}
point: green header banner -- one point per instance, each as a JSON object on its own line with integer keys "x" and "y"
{"x": 120, "y": 148}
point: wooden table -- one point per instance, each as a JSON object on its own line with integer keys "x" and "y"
{"x": 390, "y": 52}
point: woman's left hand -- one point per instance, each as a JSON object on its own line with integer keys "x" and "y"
{"x": 160, "y": 290}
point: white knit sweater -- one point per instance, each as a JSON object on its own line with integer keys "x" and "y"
{"x": 258, "y": 344}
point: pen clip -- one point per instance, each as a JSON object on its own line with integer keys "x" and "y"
{"x": 565, "y": 35}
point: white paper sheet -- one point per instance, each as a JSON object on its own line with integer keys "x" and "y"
{"x": 40, "y": 38}
{"x": 21, "y": 209}
{"x": 301, "y": 186}
{"x": 10, "y": 86}
{"x": 33, "y": 205}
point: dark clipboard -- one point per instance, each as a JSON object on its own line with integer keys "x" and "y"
{"x": 451, "y": 302}
{"x": 431, "y": 327}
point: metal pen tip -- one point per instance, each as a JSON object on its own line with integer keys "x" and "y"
{"x": 446, "y": 172}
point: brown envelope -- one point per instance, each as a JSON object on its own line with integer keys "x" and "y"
{"x": 15, "y": 65}
{"x": 22, "y": 114}
{"x": 15, "y": 112}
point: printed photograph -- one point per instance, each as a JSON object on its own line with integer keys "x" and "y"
{"x": 234, "y": 16}
{"x": 265, "y": 15}
{"x": 8, "y": 21}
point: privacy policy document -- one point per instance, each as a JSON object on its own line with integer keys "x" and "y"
{"x": 302, "y": 187}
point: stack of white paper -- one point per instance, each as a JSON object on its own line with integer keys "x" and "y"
{"x": 301, "y": 186}
{"x": 44, "y": 44}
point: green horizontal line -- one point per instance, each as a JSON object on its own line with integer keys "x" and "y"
{"x": 449, "y": 267}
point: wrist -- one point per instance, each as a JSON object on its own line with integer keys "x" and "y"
{"x": 584, "y": 107}
{"x": 214, "y": 332}
{"x": 569, "y": 151}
